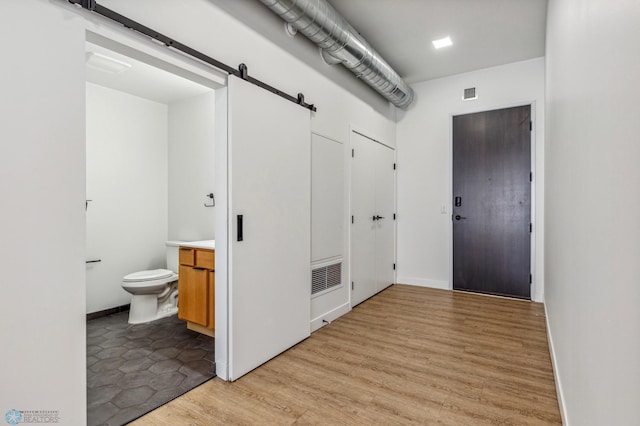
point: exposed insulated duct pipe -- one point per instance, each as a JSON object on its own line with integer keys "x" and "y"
{"x": 340, "y": 43}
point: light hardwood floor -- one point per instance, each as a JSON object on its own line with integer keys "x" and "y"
{"x": 409, "y": 355}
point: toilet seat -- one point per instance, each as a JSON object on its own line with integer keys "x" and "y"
{"x": 148, "y": 282}
{"x": 151, "y": 275}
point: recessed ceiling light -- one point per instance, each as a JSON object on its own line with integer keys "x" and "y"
{"x": 106, "y": 63}
{"x": 443, "y": 42}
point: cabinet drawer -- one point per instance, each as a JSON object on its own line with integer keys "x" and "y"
{"x": 205, "y": 259}
{"x": 186, "y": 256}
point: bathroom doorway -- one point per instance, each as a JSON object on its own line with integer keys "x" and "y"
{"x": 150, "y": 180}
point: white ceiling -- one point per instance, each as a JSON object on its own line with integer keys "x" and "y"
{"x": 142, "y": 79}
{"x": 485, "y": 33}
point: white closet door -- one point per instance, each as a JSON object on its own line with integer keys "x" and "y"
{"x": 363, "y": 240}
{"x": 269, "y": 188}
{"x": 385, "y": 207}
{"x": 372, "y": 240}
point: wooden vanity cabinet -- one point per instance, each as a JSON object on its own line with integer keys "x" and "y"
{"x": 196, "y": 289}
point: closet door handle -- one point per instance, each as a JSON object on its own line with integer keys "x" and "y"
{"x": 240, "y": 230}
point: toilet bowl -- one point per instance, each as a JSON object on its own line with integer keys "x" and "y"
{"x": 154, "y": 293}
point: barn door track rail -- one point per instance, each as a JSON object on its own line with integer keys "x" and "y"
{"x": 240, "y": 72}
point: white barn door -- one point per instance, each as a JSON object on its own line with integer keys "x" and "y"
{"x": 269, "y": 240}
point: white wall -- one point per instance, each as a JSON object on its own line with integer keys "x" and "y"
{"x": 42, "y": 136}
{"x": 593, "y": 205}
{"x": 206, "y": 27}
{"x": 42, "y": 188}
{"x": 191, "y": 168}
{"x": 127, "y": 183}
{"x": 424, "y": 165}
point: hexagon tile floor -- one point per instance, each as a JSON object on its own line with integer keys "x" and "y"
{"x": 133, "y": 369}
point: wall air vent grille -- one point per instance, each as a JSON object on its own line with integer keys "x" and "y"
{"x": 469, "y": 94}
{"x": 326, "y": 277}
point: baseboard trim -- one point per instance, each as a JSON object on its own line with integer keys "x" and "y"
{"x": 556, "y": 376}
{"x": 109, "y": 311}
{"x": 422, "y": 282}
{"x": 327, "y": 317}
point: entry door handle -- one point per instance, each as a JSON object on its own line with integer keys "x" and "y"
{"x": 458, "y": 217}
{"x": 377, "y": 217}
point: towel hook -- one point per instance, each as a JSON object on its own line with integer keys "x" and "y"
{"x": 213, "y": 200}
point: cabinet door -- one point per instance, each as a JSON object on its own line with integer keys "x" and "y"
{"x": 193, "y": 295}
{"x": 185, "y": 280}
{"x": 212, "y": 300}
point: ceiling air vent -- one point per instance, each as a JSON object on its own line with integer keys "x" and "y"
{"x": 469, "y": 94}
{"x": 326, "y": 277}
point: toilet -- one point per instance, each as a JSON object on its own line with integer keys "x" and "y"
{"x": 154, "y": 293}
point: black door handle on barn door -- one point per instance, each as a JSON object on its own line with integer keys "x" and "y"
{"x": 378, "y": 217}
{"x": 240, "y": 236}
{"x": 458, "y": 217}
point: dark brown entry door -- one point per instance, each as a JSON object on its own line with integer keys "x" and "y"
{"x": 492, "y": 202}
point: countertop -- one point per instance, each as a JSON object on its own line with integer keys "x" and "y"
{"x": 205, "y": 244}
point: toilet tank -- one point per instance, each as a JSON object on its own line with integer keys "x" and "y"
{"x": 172, "y": 255}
